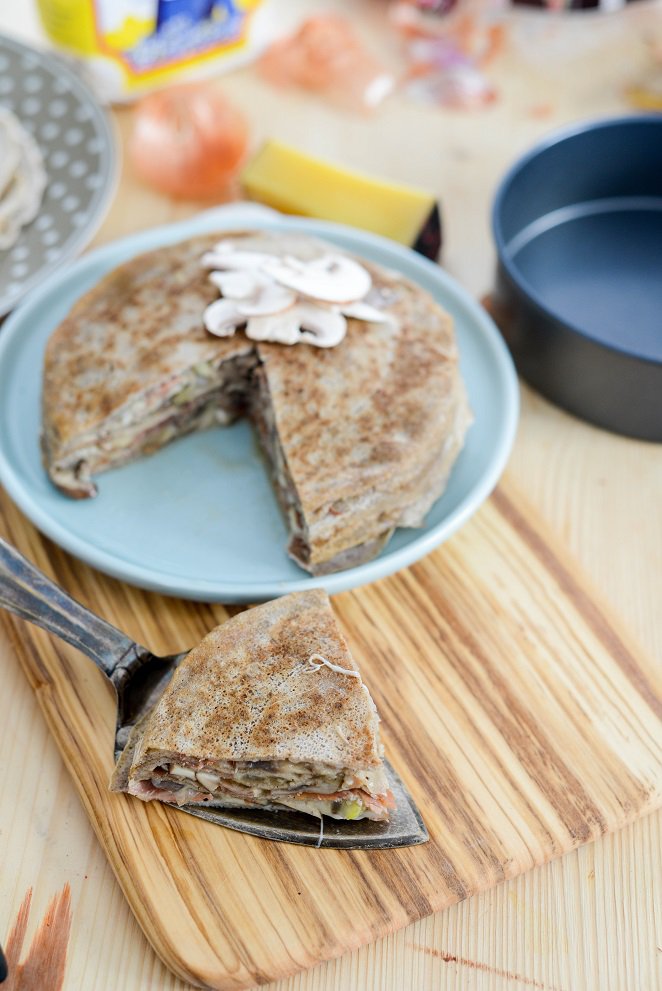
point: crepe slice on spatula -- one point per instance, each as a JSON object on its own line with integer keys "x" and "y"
{"x": 268, "y": 712}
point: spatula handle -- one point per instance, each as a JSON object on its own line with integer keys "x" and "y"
{"x": 28, "y": 593}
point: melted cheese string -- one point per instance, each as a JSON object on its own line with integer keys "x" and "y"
{"x": 316, "y": 661}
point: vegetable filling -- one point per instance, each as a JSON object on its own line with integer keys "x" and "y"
{"x": 312, "y": 788}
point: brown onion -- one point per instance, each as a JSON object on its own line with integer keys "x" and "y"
{"x": 188, "y": 141}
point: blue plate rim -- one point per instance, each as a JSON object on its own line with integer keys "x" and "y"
{"x": 154, "y": 579}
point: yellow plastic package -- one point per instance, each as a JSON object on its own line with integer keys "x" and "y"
{"x": 131, "y": 46}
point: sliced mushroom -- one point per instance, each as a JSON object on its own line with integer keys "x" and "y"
{"x": 178, "y": 771}
{"x": 270, "y": 298}
{"x": 208, "y": 780}
{"x": 281, "y": 328}
{"x": 296, "y": 263}
{"x": 362, "y": 311}
{"x": 320, "y": 326}
{"x": 221, "y": 318}
{"x": 237, "y": 260}
{"x": 286, "y": 299}
{"x": 330, "y": 279}
{"x": 235, "y": 285}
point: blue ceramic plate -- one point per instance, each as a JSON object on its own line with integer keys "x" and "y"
{"x": 199, "y": 519}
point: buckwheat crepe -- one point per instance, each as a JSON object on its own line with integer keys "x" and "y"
{"x": 360, "y": 437}
{"x": 268, "y": 712}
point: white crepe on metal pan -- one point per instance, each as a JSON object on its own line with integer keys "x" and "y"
{"x": 22, "y": 178}
{"x": 9, "y": 150}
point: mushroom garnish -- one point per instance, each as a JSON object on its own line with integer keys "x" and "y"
{"x": 281, "y": 328}
{"x": 323, "y": 327}
{"x": 235, "y": 285}
{"x": 254, "y": 293}
{"x": 221, "y": 318}
{"x": 286, "y": 299}
{"x": 363, "y": 311}
{"x": 330, "y": 279}
{"x": 226, "y": 256}
{"x": 269, "y": 298}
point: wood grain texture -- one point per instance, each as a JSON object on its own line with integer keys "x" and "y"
{"x": 592, "y": 919}
{"x": 515, "y": 710}
{"x": 43, "y": 966}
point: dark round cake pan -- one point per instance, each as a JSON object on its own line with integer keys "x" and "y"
{"x": 578, "y": 229}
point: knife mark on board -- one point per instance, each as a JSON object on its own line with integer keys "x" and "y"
{"x": 509, "y": 975}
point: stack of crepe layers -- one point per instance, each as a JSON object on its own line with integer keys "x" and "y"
{"x": 268, "y": 712}
{"x": 22, "y": 178}
{"x": 360, "y": 438}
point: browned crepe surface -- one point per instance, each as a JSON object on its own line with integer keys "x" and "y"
{"x": 369, "y": 429}
{"x": 247, "y": 692}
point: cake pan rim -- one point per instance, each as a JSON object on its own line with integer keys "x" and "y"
{"x": 520, "y": 285}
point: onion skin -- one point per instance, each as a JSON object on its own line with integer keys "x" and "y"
{"x": 326, "y": 57}
{"x": 188, "y": 141}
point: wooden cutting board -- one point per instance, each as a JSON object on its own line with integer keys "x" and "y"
{"x": 513, "y": 707}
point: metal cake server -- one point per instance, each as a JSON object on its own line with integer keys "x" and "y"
{"x": 139, "y": 677}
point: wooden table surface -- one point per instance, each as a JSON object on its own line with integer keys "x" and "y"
{"x": 591, "y": 921}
